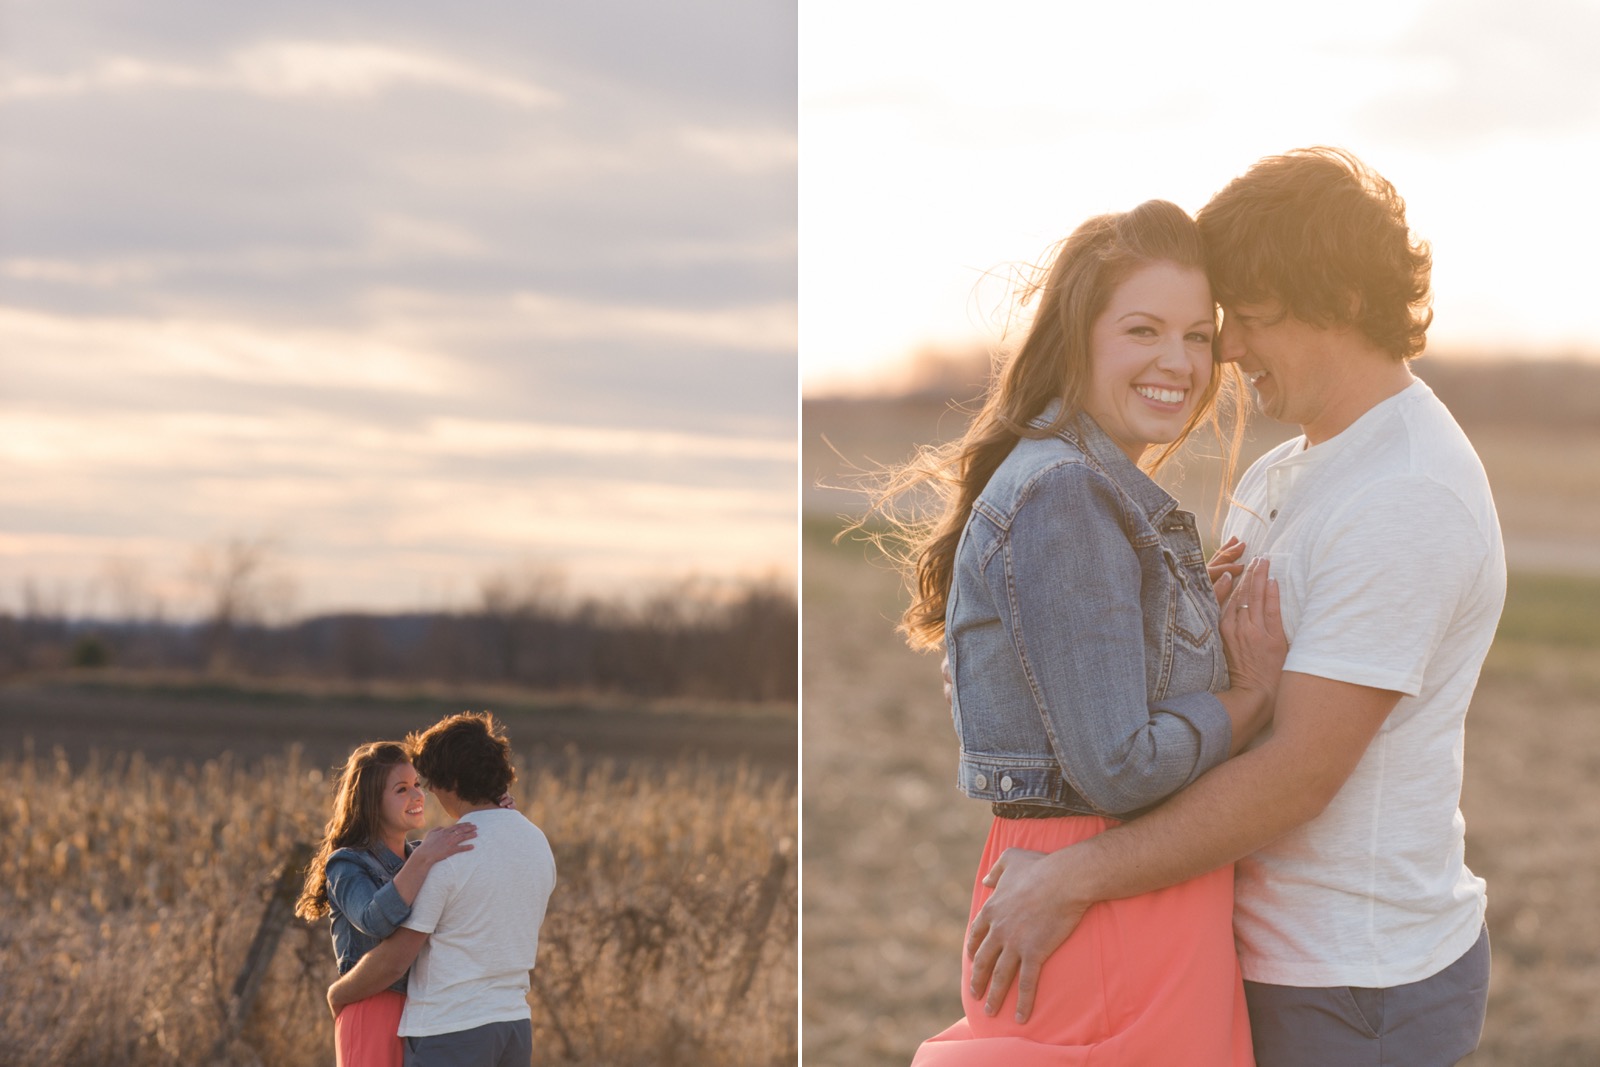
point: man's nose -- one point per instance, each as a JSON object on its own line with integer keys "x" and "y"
{"x": 1227, "y": 347}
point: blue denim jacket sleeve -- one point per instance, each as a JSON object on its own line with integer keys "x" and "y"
{"x": 1069, "y": 581}
{"x": 375, "y": 911}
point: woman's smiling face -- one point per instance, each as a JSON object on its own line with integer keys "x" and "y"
{"x": 402, "y": 800}
{"x": 1150, "y": 355}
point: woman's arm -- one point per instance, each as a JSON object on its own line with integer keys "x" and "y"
{"x": 374, "y": 910}
{"x": 377, "y": 910}
{"x": 438, "y": 844}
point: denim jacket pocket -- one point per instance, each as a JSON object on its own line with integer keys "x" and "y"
{"x": 1190, "y": 622}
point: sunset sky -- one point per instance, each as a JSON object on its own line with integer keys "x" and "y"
{"x": 416, "y": 291}
{"x": 942, "y": 143}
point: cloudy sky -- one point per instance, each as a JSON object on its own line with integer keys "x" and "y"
{"x": 942, "y": 143}
{"x": 415, "y": 291}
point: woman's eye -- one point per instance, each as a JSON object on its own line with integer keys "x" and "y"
{"x": 1200, "y": 338}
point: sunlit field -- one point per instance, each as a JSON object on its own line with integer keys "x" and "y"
{"x": 891, "y": 847}
{"x": 131, "y": 890}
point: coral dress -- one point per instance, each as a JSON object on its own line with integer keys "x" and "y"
{"x": 367, "y": 1033}
{"x": 1149, "y": 981}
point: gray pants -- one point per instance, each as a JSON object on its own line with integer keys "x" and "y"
{"x": 1432, "y": 1023}
{"x": 490, "y": 1045}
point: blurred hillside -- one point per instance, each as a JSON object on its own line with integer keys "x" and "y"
{"x": 695, "y": 640}
{"x": 1535, "y": 423}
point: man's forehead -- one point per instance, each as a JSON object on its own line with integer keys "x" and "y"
{"x": 1265, "y": 307}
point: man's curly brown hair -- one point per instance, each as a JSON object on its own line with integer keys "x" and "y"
{"x": 468, "y": 754}
{"x": 1320, "y": 232}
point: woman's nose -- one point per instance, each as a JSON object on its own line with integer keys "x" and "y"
{"x": 1174, "y": 356}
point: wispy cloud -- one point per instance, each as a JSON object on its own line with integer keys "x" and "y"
{"x": 769, "y": 327}
{"x": 287, "y": 69}
{"x": 527, "y": 439}
{"x": 226, "y": 351}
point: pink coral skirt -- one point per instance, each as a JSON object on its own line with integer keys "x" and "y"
{"x": 367, "y": 1033}
{"x": 1142, "y": 982}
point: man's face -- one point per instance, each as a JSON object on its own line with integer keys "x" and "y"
{"x": 451, "y": 803}
{"x": 1285, "y": 360}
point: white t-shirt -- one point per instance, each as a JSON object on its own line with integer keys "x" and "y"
{"x": 1386, "y": 547}
{"x": 482, "y": 911}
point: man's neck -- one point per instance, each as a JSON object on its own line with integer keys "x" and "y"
{"x": 456, "y": 806}
{"x": 1369, "y": 379}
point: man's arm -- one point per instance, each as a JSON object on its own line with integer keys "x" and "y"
{"x": 378, "y": 969}
{"x": 1321, "y": 730}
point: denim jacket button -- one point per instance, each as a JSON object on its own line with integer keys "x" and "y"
{"x": 981, "y": 781}
{"x": 1006, "y": 783}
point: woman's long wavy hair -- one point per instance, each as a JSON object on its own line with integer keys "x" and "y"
{"x": 357, "y": 803}
{"x": 1053, "y": 361}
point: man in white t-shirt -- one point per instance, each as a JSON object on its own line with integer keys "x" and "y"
{"x": 1359, "y": 927}
{"x": 473, "y": 932}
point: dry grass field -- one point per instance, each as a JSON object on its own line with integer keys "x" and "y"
{"x": 891, "y": 847}
{"x": 131, "y": 888}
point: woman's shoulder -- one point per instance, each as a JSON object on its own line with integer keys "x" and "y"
{"x": 1046, "y": 468}
{"x": 359, "y": 858}
{"x": 1033, "y": 459}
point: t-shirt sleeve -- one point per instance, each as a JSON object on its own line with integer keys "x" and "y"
{"x": 1385, "y": 578}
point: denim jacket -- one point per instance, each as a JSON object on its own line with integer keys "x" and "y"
{"x": 365, "y": 905}
{"x": 1082, "y": 633}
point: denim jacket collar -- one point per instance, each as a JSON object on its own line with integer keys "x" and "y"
{"x": 1084, "y": 434}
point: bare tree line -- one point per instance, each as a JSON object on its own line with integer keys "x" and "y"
{"x": 697, "y": 638}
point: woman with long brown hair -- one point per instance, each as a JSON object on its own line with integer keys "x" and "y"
{"x": 1092, "y": 670}
{"x": 366, "y": 875}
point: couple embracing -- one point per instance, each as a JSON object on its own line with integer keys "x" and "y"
{"x": 1226, "y": 792}
{"x": 435, "y": 940}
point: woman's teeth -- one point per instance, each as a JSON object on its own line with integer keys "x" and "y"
{"x": 1164, "y": 396}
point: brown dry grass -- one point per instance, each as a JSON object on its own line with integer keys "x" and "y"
{"x": 130, "y": 892}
